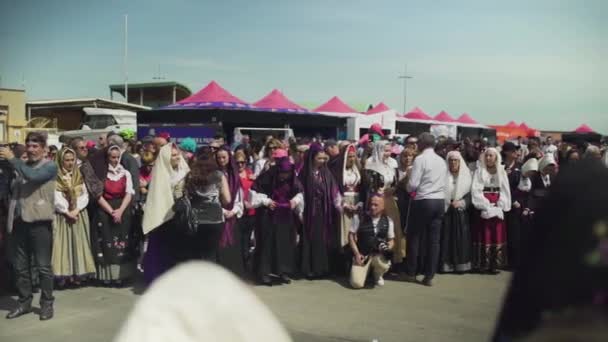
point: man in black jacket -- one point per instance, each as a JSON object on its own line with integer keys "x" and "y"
{"x": 370, "y": 239}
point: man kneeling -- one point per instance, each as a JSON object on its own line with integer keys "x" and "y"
{"x": 371, "y": 238}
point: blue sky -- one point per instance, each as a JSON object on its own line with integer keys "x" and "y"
{"x": 542, "y": 61}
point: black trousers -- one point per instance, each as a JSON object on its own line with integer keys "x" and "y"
{"x": 425, "y": 219}
{"x": 33, "y": 239}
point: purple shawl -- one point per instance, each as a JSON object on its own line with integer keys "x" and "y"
{"x": 234, "y": 183}
{"x": 330, "y": 191}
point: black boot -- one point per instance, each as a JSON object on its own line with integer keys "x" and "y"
{"x": 20, "y": 310}
{"x": 46, "y": 311}
{"x": 285, "y": 279}
{"x": 265, "y": 280}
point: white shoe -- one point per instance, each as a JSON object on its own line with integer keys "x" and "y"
{"x": 380, "y": 281}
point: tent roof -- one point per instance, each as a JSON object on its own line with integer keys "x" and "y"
{"x": 443, "y": 116}
{"x": 584, "y": 129}
{"x": 466, "y": 119}
{"x": 277, "y": 101}
{"x": 417, "y": 114}
{"x": 524, "y": 126}
{"x": 212, "y": 96}
{"x": 512, "y": 124}
{"x": 335, "y": 105}
{"x": 379, "y": 108}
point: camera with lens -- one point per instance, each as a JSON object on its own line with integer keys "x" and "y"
{"x": 381, "y": 246}
{"x": 375, "y": 181}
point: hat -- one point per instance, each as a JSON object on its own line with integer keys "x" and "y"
{"x": 164, "y": 135}
{"x": 509, "y": 147}
{"x": 376, "y": 129}
{"x": 530, "y": 165}
{"x": 91, "y": 144}
{"x": 148, "y": 139}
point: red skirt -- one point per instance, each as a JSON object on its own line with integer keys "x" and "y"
{"x": 490, "y": 240}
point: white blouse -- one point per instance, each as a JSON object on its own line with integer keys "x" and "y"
{"x": 61, "y": 203}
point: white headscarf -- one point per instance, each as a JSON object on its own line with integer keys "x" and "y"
{"x": 463, "y": 180}
{"x": 354, "y": 168}
{"x": 546, "y": 160}
{"x": 482, "y": 177}
{"x": 159, "y": 202}
{"x": 525, "y": 183}
{"x": 377, "y": 162}
{"x": 200, "y": 301}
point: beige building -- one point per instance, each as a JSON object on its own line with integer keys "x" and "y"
{"x": 12, "y": 115}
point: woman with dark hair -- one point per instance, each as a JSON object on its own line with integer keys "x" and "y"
{"x": 406, "y": 161}
{"x": 573, "y": 156}
{"x": 229, "y": 252}
{"x": 208, "y": 190}
{"x": 248, "y": 221}
{"x": 278, "y": 196}
{"x": 112, "y": 234}
{"x": 322, "y": 198}
{"x": 560, "y": 292}
{"x": 510, "y": 157}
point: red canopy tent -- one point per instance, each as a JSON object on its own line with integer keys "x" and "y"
{"x": 511, "y": 124}
{"x": 584, "y": 129}
{"x": 276, "y": 101}
{"x": 335, "y": 105}
{"x": 524, "y": 126}
{"x": 443, "y": 116}
{"x": 379, "y": 108}
{"x": 212, "y": 96}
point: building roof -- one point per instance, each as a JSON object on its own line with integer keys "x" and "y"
{"x": 12, "y": 89}
{"x": 84, "y": 102}
{"x": 120, "y": 88}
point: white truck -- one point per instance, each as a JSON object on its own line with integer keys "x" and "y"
{"x": 100, "y": 121}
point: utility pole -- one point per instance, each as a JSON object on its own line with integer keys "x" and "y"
{"x": 125, "y": 59}
{"x": 405, "y": 77}
{"x": 158, "y": 76}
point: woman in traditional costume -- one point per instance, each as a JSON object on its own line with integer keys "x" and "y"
{"x": 491, "y": 196}
{"x": 166, "y": 186}
{"x": 456, "y": 248}
{"x": 322, "y": 198}
{"x": 72, "y": 259}
{"x": 112, "y": 229}
{"x": 278, "y": 195}
{"x": 229, "y": 252}
{"x": 381, "y": 163}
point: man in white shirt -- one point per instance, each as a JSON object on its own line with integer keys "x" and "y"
{"x": 370, "y": 239}
{"x": 427, "y": 181}
{"x": 549, "y": 147}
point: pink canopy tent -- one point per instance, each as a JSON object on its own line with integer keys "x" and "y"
{"x": 276, "y": 101}
{"x": 584, "y": 129}
{"x": 524, "y": 126}
{"x": 212, "y": 96}
{"x": 335, "y": 105}
{"x": 417, "y": 114}
{"x": 379, "y": 108}
{"x": 443, "y": 116}
{"x": 466, "y": 119}
{"x": 511, "y": 124}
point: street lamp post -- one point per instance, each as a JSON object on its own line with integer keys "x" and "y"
{"x": 405, "y": 77}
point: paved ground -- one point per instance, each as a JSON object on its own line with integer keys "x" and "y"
{"x": 458, "y": 308}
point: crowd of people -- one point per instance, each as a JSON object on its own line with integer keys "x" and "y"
{"x": 102, "y": 212}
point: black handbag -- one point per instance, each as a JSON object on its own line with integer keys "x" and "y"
{"x": 185, "y": 219}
